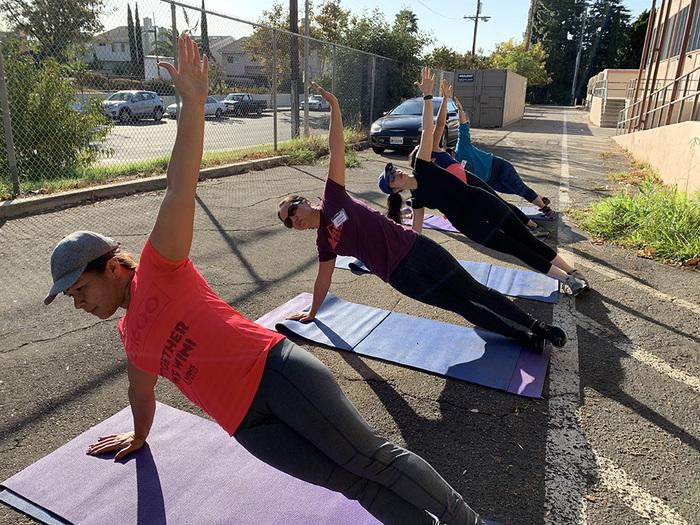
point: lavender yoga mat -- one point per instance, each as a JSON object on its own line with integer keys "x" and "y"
{"x": 477, "y": 356}
{"x": 440, "y": 223}
{"x": 190, "y": 473}
{"x": 524, "y": 284}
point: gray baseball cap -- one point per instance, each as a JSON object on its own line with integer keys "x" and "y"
{"x": 72, "y": 255}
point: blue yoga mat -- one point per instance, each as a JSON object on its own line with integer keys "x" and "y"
{"x": 190, "y": 473}
{"x": 473, "y": 355}
{"x": 524, "y": 284}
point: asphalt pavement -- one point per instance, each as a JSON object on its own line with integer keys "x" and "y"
{"x": 615, "y": 438}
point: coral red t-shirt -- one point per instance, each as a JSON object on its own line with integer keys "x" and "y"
{"x": 178, "y": 328}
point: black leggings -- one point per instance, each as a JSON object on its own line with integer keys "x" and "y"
{"x": 430, "y": 274}
{"x": 473, "y": 180}
{"x": 301, "y": 423}
{"x": 487, "y": 220}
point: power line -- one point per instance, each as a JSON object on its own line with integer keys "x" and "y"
{"x": 436, "y": 13}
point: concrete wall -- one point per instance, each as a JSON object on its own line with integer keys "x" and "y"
{"x": 618, "y": 80}
{"x": 514, "y": 103}
{"x": 674, "y": 151}
{"x": 596, "y": 113}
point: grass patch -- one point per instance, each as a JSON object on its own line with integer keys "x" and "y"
{"x": 660, "y": 222}
{"x": 638, "y": 174}
{"x": 352, "y": 160}
{"x": 304, "y": 150}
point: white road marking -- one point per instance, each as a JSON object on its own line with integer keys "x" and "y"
{"x": 628, "y": 281}
{"x": 637, "y": 352}
{"x": 635, "y": 497}
{"x": 568, "y": 458}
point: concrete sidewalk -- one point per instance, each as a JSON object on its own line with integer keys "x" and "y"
{"x": 634, "y": 455}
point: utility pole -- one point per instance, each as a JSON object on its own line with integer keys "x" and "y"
{"x": 584, "y": 16}
{"x": 294, "y": 51}
{"x": 306, "y": 68}
{"x": 476, "y": 19}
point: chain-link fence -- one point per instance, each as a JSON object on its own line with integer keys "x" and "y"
{"x": 110, "y": 112}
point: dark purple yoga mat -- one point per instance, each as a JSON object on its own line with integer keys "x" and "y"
{"x": 191, "y": 473}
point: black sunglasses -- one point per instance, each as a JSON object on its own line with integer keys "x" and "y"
{"x": 291, "y": 210}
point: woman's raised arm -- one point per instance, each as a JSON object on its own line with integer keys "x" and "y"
{"x": 336, "y": 139}
{"x": 172, "y": 233}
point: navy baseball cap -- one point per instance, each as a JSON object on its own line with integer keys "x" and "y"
{"x": 72, "y": 255}
{"x": 384, "y": 177}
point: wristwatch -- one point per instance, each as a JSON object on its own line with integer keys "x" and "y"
{"x": 427, "y": 97}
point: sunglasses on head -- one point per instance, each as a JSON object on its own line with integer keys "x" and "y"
{"x": 291, "y": 210}
{"x": 391, "y": 175}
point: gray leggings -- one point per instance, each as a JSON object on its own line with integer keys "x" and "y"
{"x": 301, "y": 423}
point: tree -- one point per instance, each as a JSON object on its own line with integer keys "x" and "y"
{"x": 607, "y": 35}
{"x": 258, "y": 44}
{"x": 56, "y": 25}
{"x": 133, "y": 53}
{"x": 140, "y": 66}
{"x": 332, "y": 21}
{"x": 205, "y": 33}
{"x": 631, "y": 54}
{"x": 529, "y": 63}
{"x": 448, "y": 59}
{"x": 557, "y": 27}
{"x": 51, "y": 139}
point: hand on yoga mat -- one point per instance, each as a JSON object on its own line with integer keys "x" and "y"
{"x": 125, "y": 444}
{"x": 302, "y": 317}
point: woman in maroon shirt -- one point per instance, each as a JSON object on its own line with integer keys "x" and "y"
{"x": 413, "y": 264}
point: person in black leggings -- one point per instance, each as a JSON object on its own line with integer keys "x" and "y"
{"x": 478, "y": 214}
{"x": 414, "y": 265}
{"x": 275, "y": 398}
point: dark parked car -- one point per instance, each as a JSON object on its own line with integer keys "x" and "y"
{"x": 400, "y": 128}
{"x": 242, "y": 104}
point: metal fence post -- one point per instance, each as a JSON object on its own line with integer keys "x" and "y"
{"x": 306, "y": 69}
{"x": 7, "y": 125}
{"x": 274, "y": 89}
{"x": 371, "y": 93}
{"x": 333, "y": 59}
{"x": 173, "y": 15}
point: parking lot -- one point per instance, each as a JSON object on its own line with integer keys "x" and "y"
{"x": 146, "y": 139}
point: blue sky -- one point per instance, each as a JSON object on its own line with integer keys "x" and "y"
{"x": 442, "y": 19}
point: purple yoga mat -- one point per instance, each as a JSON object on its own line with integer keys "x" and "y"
{"x": 477, "y": 356}
{"x": 191, "y": 473}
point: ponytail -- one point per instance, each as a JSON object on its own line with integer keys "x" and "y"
{"x": 394, "y": 202}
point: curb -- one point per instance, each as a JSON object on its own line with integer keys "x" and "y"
{"x": 11, "y": 209}
{"x": 36, "y": 205}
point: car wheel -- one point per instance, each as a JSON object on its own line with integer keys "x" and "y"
{"x": 124, "y": 116}
{"x": 157, "y": 114}
{"x": 378, "y": 150}
{"x": 218, "y": 113}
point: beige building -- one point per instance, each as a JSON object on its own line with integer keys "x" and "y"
{"x": 660, "y": 121}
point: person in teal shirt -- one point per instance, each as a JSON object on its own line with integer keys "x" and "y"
{"x": 497, "y": 172}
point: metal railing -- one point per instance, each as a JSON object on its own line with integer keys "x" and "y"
{"x": 653, "y": 110}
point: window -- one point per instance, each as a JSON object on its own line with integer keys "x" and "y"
{"x": 123, "y": 46}
{"x": 694, "y": 41}
{"x": 679, "y": 31}
{"x": 114, "y": 47}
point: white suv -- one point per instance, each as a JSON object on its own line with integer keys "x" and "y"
{"x": 126, "y": 106}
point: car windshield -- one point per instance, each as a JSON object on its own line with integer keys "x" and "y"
{"x": 234, "y": 97}
{"x": 315, "y": 97}
{"x": 415, "y": 107}
{"x": 120, "y": 96}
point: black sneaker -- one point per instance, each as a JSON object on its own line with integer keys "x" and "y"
{"x": 553, "y": 334}
{"x": 535, "y": 342}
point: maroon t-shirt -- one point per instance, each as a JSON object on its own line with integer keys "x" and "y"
{"x": 350, "y": 227}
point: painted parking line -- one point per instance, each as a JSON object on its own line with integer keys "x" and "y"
{"x": 634, "y": 496}
{"x": 568, "y": 459}
{"x": 637, "y": 352}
